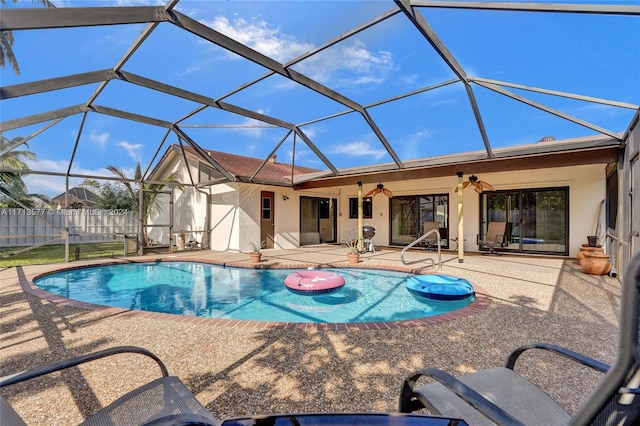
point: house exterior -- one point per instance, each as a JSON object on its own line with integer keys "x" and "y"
{"x": 552, "y": 195}
{"x": 79, "y": 198}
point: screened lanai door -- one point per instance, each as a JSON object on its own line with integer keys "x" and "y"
{"x": 317, "y": 220}
{"x": 537, "y": 219}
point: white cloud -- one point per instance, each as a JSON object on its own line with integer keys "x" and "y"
{"x": 132, "y": 149}
{"x": 98, "y": 138}
{"x": 190, "y": 70}
{"x": 350, "y": 63}
{"x": 359, "y": 149}
{"x": 361, "y": 60}
{"x": 361, "y": 64}
{"x": 421, "y": 134}
{"x": 259, "y": 36}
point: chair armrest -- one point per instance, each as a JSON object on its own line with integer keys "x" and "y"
{"x": 486, "y": 407}
{"x": 567, "y": 353}
{"x": 72, "y": 362}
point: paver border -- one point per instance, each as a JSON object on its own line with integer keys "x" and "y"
{"x": 481, "y": 302}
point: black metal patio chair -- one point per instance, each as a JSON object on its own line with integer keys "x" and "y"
{"x": 163, "y": 401}
{"x": 501, "y": 396}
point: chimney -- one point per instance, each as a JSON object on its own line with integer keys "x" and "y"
{"x": 547, "y": 139}
{"x": 272, "y": 159}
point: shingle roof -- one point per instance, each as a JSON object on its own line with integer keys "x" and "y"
{"x": 89, "y": 198}
{"x": 243, "y": 167}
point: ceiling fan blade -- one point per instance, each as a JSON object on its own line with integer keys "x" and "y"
{"x": 368, "y": 194}
{"x": 388, "y": 193}
{"x": 477, "y": 186}
{"x": 485, "y": 185}
{"x": 375, "y": 191}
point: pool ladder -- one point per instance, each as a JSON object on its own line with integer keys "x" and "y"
{"x": 422, "y": 237}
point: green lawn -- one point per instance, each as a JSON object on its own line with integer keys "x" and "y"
{"x": 53, "y": 253}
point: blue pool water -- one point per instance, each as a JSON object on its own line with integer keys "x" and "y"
{"x": 211, "y": 291}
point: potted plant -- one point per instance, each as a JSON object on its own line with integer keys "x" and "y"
{"x": 596, "y": 263}
{"x": 256, "y": 254}
{"x": 353, "y": 253}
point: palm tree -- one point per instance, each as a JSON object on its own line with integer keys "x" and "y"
{"x": 150, "y": 203}
{"x": 6, "y": 41}
{"x": 13, "y": 190}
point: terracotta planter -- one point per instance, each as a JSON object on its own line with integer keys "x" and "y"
{"x": 585, "y": 248}
{"x": 596, "y": 263}
{"x": 353, "y": 258}
{"x": 255, "y": 257}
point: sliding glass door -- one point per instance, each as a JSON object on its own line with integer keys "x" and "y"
{"x": 537, "y": 219}
{"x": 409, "y": 213}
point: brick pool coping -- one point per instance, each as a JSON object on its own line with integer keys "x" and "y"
{"x": 481, "y": 302}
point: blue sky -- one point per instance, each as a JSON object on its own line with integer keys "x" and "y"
{"x": 591, "y": 55}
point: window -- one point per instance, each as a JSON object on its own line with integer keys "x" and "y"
{"x": 367, "y": 208}
{"x": 324, "y": 208}
{"x": 266, "y": 208}
{"x": 612, "y": 198}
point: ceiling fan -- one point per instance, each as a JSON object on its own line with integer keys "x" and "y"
{"x": 478, "y": 185}
{"x": 377, "y": 190}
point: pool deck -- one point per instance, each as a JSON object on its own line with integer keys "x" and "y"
{"x": 248, "y": 368}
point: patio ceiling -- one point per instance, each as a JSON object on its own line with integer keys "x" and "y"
{"x": 252, "y": 90}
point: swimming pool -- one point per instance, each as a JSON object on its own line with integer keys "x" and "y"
{"x": 213, "y": 291}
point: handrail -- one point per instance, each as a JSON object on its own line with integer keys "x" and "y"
{"x": 422, "y": 237}
{"x": 616, "y": 239}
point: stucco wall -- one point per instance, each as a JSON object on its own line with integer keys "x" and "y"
{"x": 235, "y": 207}
{"x": 586, "y": 190}
{"x": 235, "y": 215}
{"x": 224, "y": 217}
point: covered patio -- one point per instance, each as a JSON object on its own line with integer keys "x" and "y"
{"x": 245, "y": 369}
{"x": 401, "y": 96}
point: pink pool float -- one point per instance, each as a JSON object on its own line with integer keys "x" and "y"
{"x": 313, "y": 282}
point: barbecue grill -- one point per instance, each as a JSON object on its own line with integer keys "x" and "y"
{"x": 368, "y": 232}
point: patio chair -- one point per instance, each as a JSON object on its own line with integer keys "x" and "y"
{"x": 494, "y": 238}
{"x": 163, "y": 401}
{"x": 506, "y": 398}
{"x": 432, "y": 240}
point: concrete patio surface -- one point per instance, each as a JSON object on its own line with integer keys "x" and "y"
{"x": 237, "y": 371}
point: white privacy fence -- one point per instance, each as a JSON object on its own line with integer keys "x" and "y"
{"x": 26, "y": 227}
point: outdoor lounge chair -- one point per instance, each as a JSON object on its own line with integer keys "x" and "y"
{"x": 163, "y": 401}
{"x": 502, "y": 395}
{"x": 432, "y": 240}
{"x": 494, "y": 238}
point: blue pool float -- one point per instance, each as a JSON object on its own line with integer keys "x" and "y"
{"x": 439, "y": 287}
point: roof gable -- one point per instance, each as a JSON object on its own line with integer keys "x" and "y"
{"x": 243, "y": 168}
